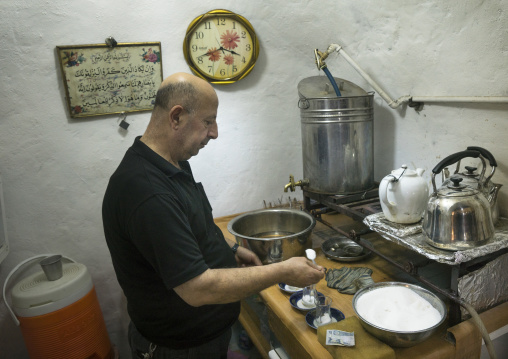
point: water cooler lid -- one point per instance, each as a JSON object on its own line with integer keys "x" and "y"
{"x": 321, "y": 87}
{"x": 36, "y": 295}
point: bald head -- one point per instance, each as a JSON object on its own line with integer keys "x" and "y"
{"x": 183, "y": 89}
{"x": 183, "y": 119}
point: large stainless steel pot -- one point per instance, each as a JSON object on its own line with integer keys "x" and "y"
{"x": 457, "y": 217}
{"x": 274, "y": 234}
{"x": 475, "y": 180}
{"x": 337, "y": 136}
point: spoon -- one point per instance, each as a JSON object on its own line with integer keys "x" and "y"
{"x": 311, "y": 255}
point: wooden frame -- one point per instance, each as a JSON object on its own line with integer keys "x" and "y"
{"x": 101, "y": 80}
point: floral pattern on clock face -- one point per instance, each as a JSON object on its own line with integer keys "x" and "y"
{"x": 221, "y": 47}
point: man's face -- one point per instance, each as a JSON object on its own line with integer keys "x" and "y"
{"x": 200, "y": 127}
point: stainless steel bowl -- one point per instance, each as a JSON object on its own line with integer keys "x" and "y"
{"x": 401, "y": 338}
{"x": 274, "y": 234}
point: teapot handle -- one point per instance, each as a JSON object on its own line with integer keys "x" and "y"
{"x": 488, "y": 156}
{"x": 383, "y": 193}
{"x": 451, "y": 159}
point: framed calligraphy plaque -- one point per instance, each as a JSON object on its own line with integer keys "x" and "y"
{"x": 102, "y": 80}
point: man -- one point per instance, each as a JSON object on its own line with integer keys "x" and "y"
{"x": 182, "y": 280}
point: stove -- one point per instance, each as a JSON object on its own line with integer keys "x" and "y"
{"x": 464, "y": 270}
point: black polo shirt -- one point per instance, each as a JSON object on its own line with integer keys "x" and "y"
{"x": 160, "y": 231}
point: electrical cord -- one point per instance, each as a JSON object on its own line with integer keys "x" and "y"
{"x": 485, "y": 334}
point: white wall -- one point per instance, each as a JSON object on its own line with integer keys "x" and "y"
{"x": 55, "y": 169}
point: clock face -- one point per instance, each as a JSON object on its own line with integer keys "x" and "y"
{"x": 221, "y": 47}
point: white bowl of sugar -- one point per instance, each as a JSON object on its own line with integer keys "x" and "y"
{"x": 399, "y": 314}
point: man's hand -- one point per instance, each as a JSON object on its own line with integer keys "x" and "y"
{"x": 301, "y": 272}
{"x": 247, "y": 258}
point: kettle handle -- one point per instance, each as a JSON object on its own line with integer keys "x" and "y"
{"x": 488, "y": 156}
{"x": 484, "y": 153}
{"x": 16, "y": 321}
{"x": 451, "y": 159}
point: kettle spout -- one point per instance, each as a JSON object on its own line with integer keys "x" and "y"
{"x": 492, "y": 197}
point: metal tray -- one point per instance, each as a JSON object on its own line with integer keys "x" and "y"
{"x": 343, "y": 249}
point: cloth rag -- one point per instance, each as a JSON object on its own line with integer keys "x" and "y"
{"x": 349, "y": 280}
{"x": 366, "y": 346}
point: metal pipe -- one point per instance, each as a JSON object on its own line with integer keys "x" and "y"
{"x": 487, "y": 99}
{"x": 408, "y": 98}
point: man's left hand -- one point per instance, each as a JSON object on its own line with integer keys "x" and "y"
{"x": 247, "y": 258}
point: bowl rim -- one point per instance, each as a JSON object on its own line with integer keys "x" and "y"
{"x": 373, "y": 286}
{"x": 251, "y": 213}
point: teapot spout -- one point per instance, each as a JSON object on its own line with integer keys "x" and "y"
{"x": 420, "y": 171}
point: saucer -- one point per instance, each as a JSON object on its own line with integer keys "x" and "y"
{"x": 310, "y": 317}
{"x": 289, "y": 289}
{"x": 296, "y": 301}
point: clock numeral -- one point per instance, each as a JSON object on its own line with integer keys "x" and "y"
{"x": 223, "y": 72}
{"x": 235, "y": 69}
{"x": 210, "y": 69}
{"x": 194, "y": 48}
{"x": 199, "y": 35}
{"x": 247, "y": 47}
{"x": 234, "y": 25}
{"x": 243, "y": 34}
{"x": 243, "y": 59}
{"x": 200, "y": 60}
{"x": 221, "y": 21}
{"x": 208, "y": 26}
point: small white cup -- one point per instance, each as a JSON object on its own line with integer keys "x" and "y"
{"x": 323, "y": 313}
{"x": 309, "y": 296}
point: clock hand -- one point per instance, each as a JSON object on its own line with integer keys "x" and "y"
{"x": 209, "y": 53}
{"x": 220, "y": 49}
{"x": 230, "y": 51}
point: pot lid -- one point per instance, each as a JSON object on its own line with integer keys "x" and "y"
{"x": 36, "y": 290}
{"x": 457, "y": 189}
{"x": 321, "y": 87}
{"x": 470, "y": 172}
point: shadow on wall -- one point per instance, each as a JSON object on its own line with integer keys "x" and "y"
{"x": 384, "y": 141}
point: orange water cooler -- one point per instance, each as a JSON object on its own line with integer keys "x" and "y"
{"x": 58, "y": 312}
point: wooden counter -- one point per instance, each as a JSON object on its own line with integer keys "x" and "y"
{"x": 300, "y": 341}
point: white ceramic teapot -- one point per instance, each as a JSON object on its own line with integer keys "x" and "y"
{"x": 404, "y": 195}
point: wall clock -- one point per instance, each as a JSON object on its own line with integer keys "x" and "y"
{"x": 221, "y": 46}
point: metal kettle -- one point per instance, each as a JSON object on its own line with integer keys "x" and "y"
{"x": 457, "y": 217}
{"x": 475, "y": 180}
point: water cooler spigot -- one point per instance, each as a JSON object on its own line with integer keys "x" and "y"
{"x": 292, "y": 184}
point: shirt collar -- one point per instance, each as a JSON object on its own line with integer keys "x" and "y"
{"x": 153, "y": 157}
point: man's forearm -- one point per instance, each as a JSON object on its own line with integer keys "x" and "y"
{"x": 219, "y": 286}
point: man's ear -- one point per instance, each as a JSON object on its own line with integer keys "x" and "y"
{"x": 175, "y": 116}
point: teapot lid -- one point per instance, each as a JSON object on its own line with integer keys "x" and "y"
{"x": 403, "y": 171}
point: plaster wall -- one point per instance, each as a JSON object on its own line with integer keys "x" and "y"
{"x": 55, "y": 169}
